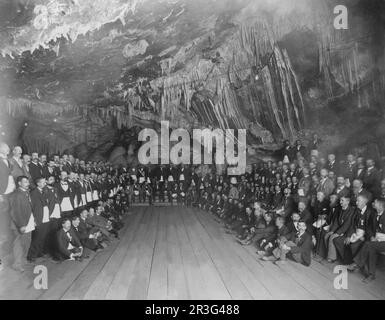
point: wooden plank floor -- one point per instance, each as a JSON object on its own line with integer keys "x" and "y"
{"x": 182, "y": 253}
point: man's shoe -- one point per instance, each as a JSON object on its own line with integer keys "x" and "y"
{"x": 352, "y": 267}
{"x": 280, "y": 262}
{"x": 269, "y": 258}
{"x": 261, "y": 253}
{"x": 369, "y": 279}
{"x": 18, "y": 268}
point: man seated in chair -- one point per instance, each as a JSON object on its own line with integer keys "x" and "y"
{"x": 368, "y": 254}
{"x": 68, "y": 244}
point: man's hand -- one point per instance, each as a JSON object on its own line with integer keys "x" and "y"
{"x": 347, "y": 241}
{"x": 22, "y": 229}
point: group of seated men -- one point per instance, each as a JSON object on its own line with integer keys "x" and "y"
{"x": 302, "y": 208}
{"x": 57, "y": 208}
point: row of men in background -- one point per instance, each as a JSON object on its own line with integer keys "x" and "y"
{"x": 35, "y": 166}
{"x": 289, "y": 152}
{"x": 39, "y": 215}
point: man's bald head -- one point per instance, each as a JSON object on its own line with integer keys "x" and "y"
{"x": 4, "y": 149}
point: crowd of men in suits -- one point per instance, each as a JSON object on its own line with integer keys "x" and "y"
{"x": 300, "y": 207}
{"x": 303, "y": 206}
{"x": 55, "y": 208}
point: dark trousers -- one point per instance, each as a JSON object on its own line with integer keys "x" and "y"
{"x": 38, "y": 241}
{"x": 5, "y": 226}
{"x": 21, "y": 244}
{"x": 54, "y": 226}
{"x": 347, "y": 252}
{"x": 367, "y": 256}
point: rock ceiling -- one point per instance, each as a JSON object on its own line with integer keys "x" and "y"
{"x": 225, "y": 63}
{"x": 94, "y": 51}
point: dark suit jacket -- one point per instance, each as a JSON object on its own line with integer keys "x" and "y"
{"x": 372, "y": 181}
{"x": 344, "y": 222}
{"x": 63, "y": 241}
{"x": 342, "y": 193}
{"x": 38, "y": 201}
{"x": 16, "y": 170}
{"x": 35, "y": 171}
{"x": 21, "y": 208}
{"x": 365, "y": 221}
{"x": 303, "y": 246}
{"x": 52, "y": 198}
{"x": 5, "y": 172}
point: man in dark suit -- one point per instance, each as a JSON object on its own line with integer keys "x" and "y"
{"x": 332, "y": 164}
{"x": 285, "y": 153}
{"x": 350, "y": 167}
{"x": 372, "y": 179}
{"x": 374, "y": 246}
{"x": 16, "y": 163}
{"x": 298, "y": 247}
{"x": 68, "y": 244}
{"x": 359, "y": 190}
{"x": 298, "y": 151}
{"x": 341, "y": 190}
{"x": 339, "y": 227}
{"x": 35, "y": 169}
{"x": 40, "y": 212}
{"x": 361, "y": 230}
{"x": 7, "y": 185}
{"x": 54, "y": 213}
{"x": 88, "y": 236}
{"x": 360, "y": 169}
{"x": 22, "y": 222}
{"x": 288, "y": 205}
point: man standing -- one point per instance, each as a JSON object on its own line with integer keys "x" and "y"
{"x": 41, "y": 215}
{"x": 65, "y": 195}
{"x": 25, "y": 167}
{"x": 23, "y": 222}
{"x": 54, "y": 213}
{"x": 16, "y": 163}
{"x": 7, "y": 185}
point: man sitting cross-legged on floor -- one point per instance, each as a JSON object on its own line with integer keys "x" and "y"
{"x": 298, "y": 247}
{"x": 268, "y": 230}
{"x": 97, "y": 221}
{"x": 68, "y": 244}
{"x": 269, "y": 243}
{"x": 90, "y": 238}
{"x": 259, "y": 223}
{"x": 367, "y": 256}
{"x": 247, "y": 223}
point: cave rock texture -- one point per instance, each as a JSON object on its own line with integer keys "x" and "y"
{"x": 84, "y": 76}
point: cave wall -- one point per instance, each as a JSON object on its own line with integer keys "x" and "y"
{"x": 276, "y": 68}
